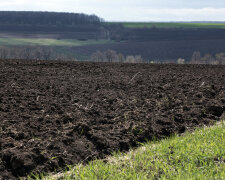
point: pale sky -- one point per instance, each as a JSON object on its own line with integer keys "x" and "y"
{"x": 128, "y": 10}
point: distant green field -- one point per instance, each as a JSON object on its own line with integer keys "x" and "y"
{"x": 59, "y": 48}
{"x": 172, "y": 25}
{"x": 48, "y": 42}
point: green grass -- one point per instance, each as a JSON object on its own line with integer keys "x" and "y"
{"x": 198, "y": 155}
{"x": 172, "y": 25}
{"x": 47, "y": 42}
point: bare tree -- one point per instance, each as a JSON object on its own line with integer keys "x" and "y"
{"x": 3, "y": 53}
{"x": 98, "y": 57}
{"x": 134, "y": 59}
{"x": 207, "y": 59}
{"x": 180, "y": 61}
{"x": 138, "y": 59}
{"x": 27, "y": 54}
{"x": 130, "y": 59}
{"x": 220, "y": 57}
{"x": 111, "y": 56}
{"x": 196, "y": 57}
{"x": 47, "y": 53}
{"x": 121, "y": 57}
{"x": 37, "y": 54}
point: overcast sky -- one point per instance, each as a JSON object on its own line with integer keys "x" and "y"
{"x": 128, "y": 10}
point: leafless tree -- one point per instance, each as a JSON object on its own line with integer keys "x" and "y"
{"x": 111, "y": 56}
{"x": 220, "y": 57}
{"x": 196, "y": 57}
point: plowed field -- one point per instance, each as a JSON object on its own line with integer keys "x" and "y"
{"x": 58, "y": 113}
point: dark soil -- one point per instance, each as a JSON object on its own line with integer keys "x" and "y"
{"x": 57, "y": 113}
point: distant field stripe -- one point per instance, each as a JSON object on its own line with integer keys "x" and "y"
{"x": 48, "y": 42}
{"x": 172, "y": 25}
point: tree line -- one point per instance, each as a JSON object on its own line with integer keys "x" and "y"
{"x": 72, "y": 25}
{"x": 47, "y": 18}
{"x": 113, "y": 56}
{"x": 48, "y": 53}
{"x": 42, "y": 22}
{"x": 26, "y": 53}
{"x": 197, "y": 58}
{"x": 33, "y": 53}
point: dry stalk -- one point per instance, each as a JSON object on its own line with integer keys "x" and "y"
{"x": 134, "y": 77}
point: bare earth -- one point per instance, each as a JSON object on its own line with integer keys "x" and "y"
{"x": 58, "y": 113}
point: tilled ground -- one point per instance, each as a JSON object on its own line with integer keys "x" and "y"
{"x": 57, "y": 113}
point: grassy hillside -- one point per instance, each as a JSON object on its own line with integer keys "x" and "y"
{"x": 48, "y": 42}
{"x": 60, "y": 48}
{"x": 197, "y": 155}
{"x": 165, "y": 44}
{"x": 173, "y": 25}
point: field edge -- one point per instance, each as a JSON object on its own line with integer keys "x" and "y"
{"x": 127, "y": 165}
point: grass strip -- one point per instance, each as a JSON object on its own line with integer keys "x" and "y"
{"x": 171, "y": 25}
{"x": 197, "y": 155}
{"x": 48, "y": 42}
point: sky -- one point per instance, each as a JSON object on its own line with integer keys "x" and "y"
{"x": 128, "y": 10}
